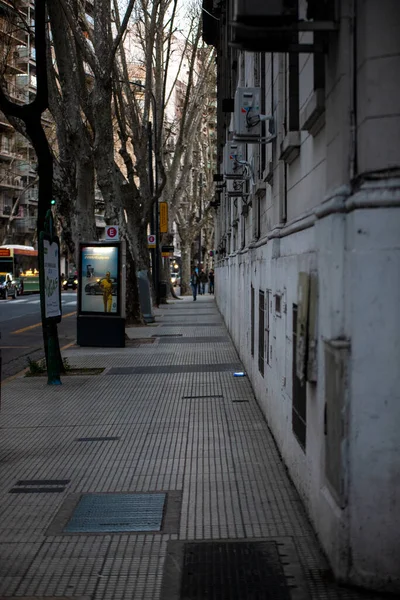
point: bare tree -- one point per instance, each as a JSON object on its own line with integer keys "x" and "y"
{"x": 192, "y": 211}
{"x": 31, "y": 117}
{"x": 97, "y": 93}
{"x": 177, "y": 69}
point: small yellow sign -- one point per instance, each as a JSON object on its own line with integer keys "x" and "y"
{"x": 163, "y": 217}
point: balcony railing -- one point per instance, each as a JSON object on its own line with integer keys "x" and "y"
{"x": 8, "y": 180}
{"x": 24, "y": 224}
{"x": 16, "y": 93}
{"x": 13, "y": 31}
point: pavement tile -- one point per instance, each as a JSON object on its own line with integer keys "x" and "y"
{"x": 198, "y": 433}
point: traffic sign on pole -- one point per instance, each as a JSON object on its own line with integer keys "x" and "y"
{"x": 151, "y": 241}
{"x": 163, "y": 217}
{"x": 112, "y": 233}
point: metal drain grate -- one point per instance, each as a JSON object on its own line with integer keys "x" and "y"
{"x": 200, "y": 397}
{"x": 169, "y": 369}
{"x": 196, "y": 340}
{"x": 135, "y": 342}
{"x": 202, "y": 324}
{"x": 167, "y": 335}
{"x": 39, "y": 486}
{"x": 100, "y": 513}
{"x": 233, "y": 570}
{"x": 192, "y": 313}
{"x": 97, "y": 439}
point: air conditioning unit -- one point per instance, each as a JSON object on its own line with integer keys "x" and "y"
{"x": 273, "y": 25}
{"x": 234, "y": 154}
{"x": 247, "y": 114}
{"x": 251, "y": 12}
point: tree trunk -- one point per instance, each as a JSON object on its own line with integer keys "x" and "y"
{"x": 185, "y": 268}
{"x": 35, "y": 131}
{"x": 133, "y": 310}
{"x": 84, "y": 226}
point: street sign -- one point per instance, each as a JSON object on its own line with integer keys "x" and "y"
{"x": 163, "y": 217}
{"x": 169, "y": 249}
{"x": 112, "y": 233}
{"x": 151, "y": 241}
{"x": 51, "y": 265}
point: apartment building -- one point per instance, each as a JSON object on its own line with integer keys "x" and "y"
{"x": 17, "y": 158}
{"x": 307, "y": 217}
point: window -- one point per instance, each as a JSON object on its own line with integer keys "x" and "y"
{"x": 257, "y": 199}
{"x": 261, "y": 331}
{"x": 278, "y": 304}
{"x": 257, "y": 61}
{"x": 263, "y": 147}
{"x": 312, "y": 117}
{"x": 293, "y": 93}
{"x": 243, "y": 216}
{"x": 299, "y": 395}
{"x": 267, "y": 328}
{"x": 252, "y": 319}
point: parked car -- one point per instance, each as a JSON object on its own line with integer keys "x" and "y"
{"x": 8, "y": 288}
{"x": 94, "y": 288}
{"x": 70, "y": 282}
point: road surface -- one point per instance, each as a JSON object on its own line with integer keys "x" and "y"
{"x": 21, "y": 332}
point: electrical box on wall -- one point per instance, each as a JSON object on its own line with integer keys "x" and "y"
{"x": 247, "y": 113}
{"x": 234, "y": 154}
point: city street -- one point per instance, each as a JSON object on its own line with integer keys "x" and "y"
{"x": 21, "y": 332}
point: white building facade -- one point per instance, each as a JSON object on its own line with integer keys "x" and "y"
{"x": 308, "y": 256}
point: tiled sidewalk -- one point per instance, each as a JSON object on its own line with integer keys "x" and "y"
{"x": 191, "y": 431}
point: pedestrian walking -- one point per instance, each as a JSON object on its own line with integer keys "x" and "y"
{"x": 211, "y": 280}
{"x": 194, "y": 283}
{"x": 203, "y": 280}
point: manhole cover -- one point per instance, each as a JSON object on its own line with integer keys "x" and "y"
{"x": 99, "y": 513}
{"x": 233, "y": 570}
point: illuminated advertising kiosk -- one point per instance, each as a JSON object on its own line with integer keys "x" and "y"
{"x": 101, "y": 295}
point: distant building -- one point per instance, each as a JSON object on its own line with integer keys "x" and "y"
{"x": 17, "y": 157}
{"x": 308, "y": 240}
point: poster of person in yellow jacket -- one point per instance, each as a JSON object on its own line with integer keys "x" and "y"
{"x": 99, "y": 277}
{"x": 106, "y": 285}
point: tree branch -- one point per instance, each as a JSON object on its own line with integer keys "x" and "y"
{"x": 87, "y": 53}
{"x": 121, "y": 30}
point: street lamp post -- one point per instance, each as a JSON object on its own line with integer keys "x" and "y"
{"x": 154, "y": 221}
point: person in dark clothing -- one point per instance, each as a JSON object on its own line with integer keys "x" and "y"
{"x": 203, "y": 280}
{"x": 211, "y": 280}
{"x": 194, "y": 283}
